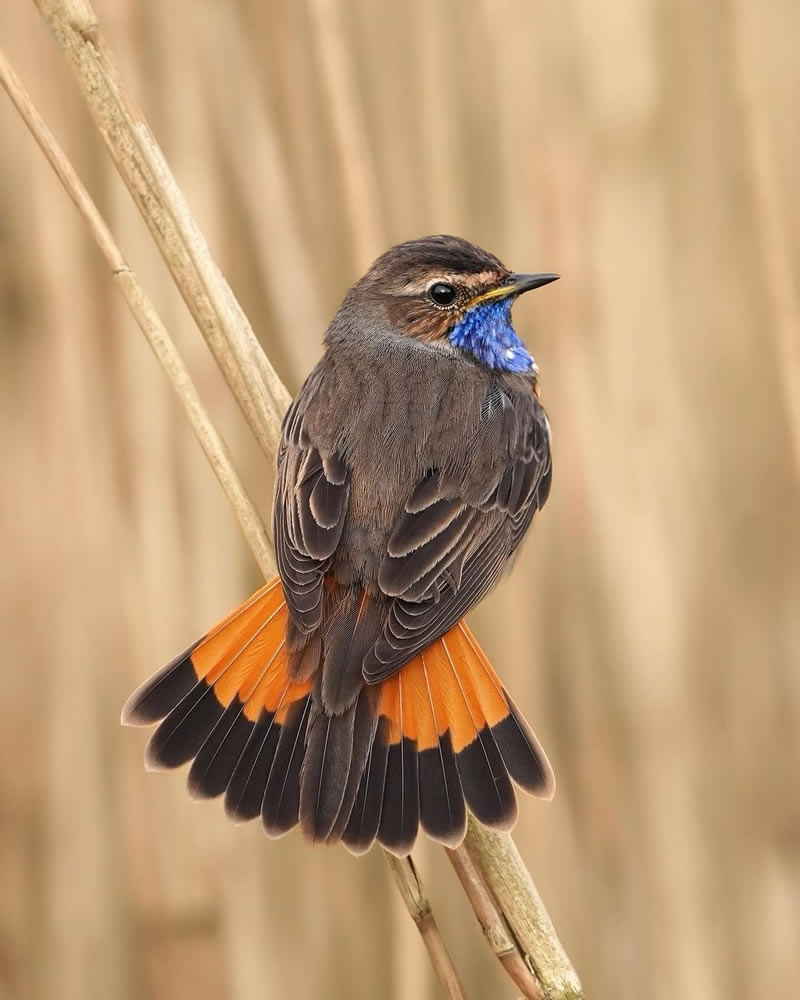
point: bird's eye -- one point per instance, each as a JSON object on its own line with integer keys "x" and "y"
{"x": 442, "y": 294}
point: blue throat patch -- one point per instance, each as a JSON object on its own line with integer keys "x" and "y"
{"x": 486, "y": 333}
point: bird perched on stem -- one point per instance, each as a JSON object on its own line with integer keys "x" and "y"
{"x": 348, "y": 694}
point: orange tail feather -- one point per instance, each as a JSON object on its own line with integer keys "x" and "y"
{"x": 229, "y": 704}
{"x": 447, "y": 737}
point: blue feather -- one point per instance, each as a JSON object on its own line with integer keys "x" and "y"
{"x": 486, "y": 333}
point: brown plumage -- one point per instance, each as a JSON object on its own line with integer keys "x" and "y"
{"x": 349, "y": 695}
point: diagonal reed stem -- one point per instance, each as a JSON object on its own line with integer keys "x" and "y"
{"x": 403, "y": 870}
{"x": 499, "y": 864}
{"x": 140, "y": 162}
{"x": 495, "y": 928}
{"x": 487, "y": 858}
{"x": 214, "y": 448}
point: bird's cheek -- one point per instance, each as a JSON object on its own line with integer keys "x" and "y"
{"x": 425, "y": 326}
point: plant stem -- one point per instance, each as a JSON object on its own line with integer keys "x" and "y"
{"x": 486, "y": 858}
{"x": 214, "y": 448}
{"x": 501, "y": 868}
{"x": 414, "y": 896}
{"x": 405, "y": 873}
{"x": 141, "y": 164}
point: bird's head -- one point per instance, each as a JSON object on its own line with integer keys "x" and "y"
{"x": 448, "y": 292}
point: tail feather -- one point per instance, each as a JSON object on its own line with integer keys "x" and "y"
{"x": 455, "y": 740}
{"x": 224, "y": 703}
{"x": 245, "y": 792}
{"x": 521, "y": 752}
{"x": 183, "y": 732}
{"x": 329, "y": 753}
{"x": 212, "y": 768}
{"x": 400, "y": 814}
{"x": 336, "y": 756}
{"x": 366, "y": 723}
{"x": 417, "y": 750}
{"x": 487, "y": 786}
{"x": 280, "y": 809}
{"x": 365, "y": 818}
{"x": 442, "y": 811}
{"x": 342, "y": 721}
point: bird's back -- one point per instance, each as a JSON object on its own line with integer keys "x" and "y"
{"x": 349, "y": 695}
{"x": 398, "y": 409}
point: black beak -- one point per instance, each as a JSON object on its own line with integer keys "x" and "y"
{"x": 519, "y": 283}
{"x": 515, "y": 284}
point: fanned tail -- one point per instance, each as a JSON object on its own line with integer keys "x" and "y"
{"x": 229, "y": 704}
{"x": 448, "y": 738}
{"x": 258, "y": 724}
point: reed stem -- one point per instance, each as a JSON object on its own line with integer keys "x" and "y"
{"x": 498, "y": 885}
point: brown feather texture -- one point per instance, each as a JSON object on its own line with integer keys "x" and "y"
{"x": 348, "y": 695}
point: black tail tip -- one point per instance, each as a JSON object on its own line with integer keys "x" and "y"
{"x": 523, "y": 755}
{"x": 158, "y": 695}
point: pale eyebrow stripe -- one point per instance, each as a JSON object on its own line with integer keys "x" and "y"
{"x": 472, "y": 280}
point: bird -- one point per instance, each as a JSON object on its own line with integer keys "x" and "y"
{"x": 348, "y": 695}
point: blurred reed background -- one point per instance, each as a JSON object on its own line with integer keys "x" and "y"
{"x": 649, "y": 152}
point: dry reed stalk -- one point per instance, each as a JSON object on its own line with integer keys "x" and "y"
{"x": 406, "y": 877}
{"x": 497, "y": 860}
{"x": 144, "y": 313}
{"x": 139, "y": 160}
{"x": 492, "y": 853}
{"x": 494, "y": 926}
{"x": 263, "y": 400}
{"x": 418, "y": 905}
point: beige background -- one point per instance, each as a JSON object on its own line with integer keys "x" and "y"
{"x": 647, "y": 150}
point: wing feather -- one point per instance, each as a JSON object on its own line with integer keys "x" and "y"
{"x": 451, "y": 544}
{"x": 309, "y": 514}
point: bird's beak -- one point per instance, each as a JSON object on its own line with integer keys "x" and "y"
{"x": 516, "y": 284}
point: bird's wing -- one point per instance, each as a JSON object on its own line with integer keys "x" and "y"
{"x": 446, "y": 553}
{"x": 309, "y": 512}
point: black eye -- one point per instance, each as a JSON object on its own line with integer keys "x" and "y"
{"x": 442, "y": 294}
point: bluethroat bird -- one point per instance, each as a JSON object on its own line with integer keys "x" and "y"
{"x": 348, "y": 695}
